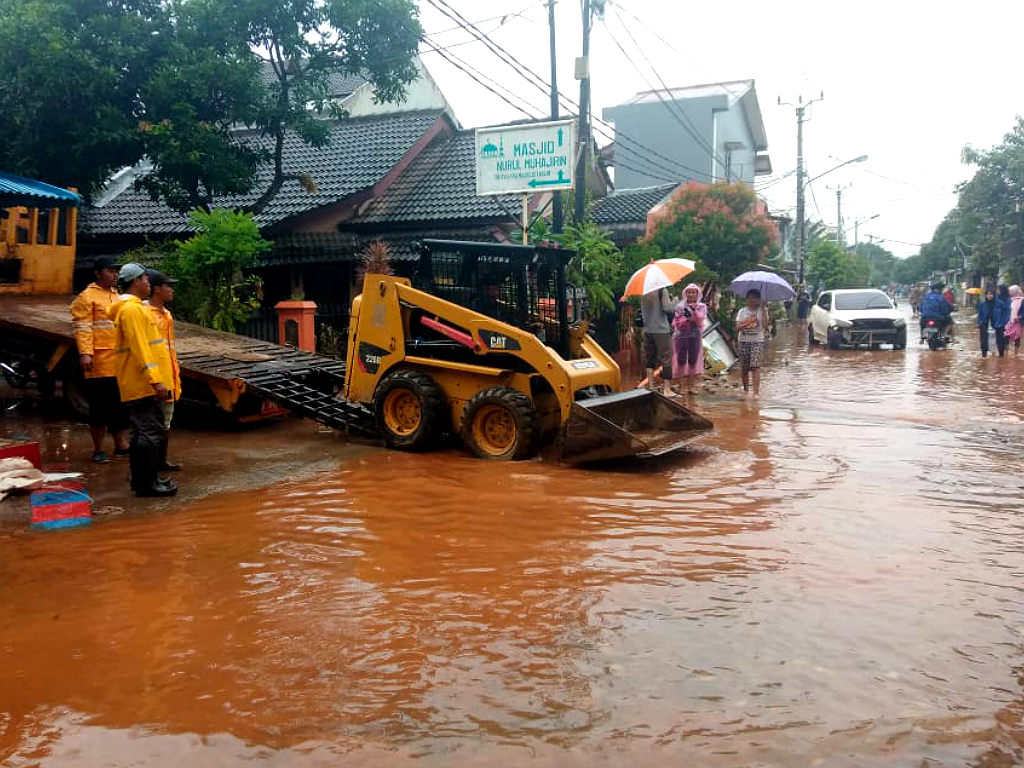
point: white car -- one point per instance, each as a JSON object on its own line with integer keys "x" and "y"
{"x": 862, "y": 316}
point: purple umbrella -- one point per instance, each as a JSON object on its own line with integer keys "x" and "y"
{"x": 771, "y": 286}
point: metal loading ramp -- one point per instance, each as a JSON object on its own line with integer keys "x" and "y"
{"x": 301, "y": 382}
{"x": 304, "y": 399}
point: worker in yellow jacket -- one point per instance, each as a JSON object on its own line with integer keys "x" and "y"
{"x": 94, "y": 336}
{"x": 162, "y": 294}
{"x": 145, "y": 375}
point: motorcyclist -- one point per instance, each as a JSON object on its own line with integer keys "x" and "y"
{"x": 934, "y": 306}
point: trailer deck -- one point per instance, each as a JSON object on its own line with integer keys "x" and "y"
{"x": 301, "y": 382}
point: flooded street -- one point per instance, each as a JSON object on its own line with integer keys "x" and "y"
{"x": 834, "y": 577}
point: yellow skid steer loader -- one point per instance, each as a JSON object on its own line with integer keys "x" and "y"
{"x": 479, "y": 344}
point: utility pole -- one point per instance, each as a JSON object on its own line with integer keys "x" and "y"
{"x": 557, "y": 216}
{"x": 801, "y": 109}
{"x": 839, "y": 212}
{"x": 583, "y": 75}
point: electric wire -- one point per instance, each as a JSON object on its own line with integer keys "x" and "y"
{"x": 676, "y": 112}
{"x": 538, "y": 82}
{"x": 450, "y": 59}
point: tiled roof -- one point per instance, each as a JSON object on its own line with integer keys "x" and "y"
{"x": 339, "y": 84}
{"x": 629, "y": 205}
{"x": 440, "y": 186}
{"x": 360, "y": 152}
{"x": 334, "y": 247}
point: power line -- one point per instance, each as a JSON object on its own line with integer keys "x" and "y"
{"x": 672, "y": 108}
{"x": 544, "y": 87}
{"x": 671, "y": 47}
{"x": 489, "y": 79}
{"x": 505, "y": 18}
{"x": 450, "y": 58}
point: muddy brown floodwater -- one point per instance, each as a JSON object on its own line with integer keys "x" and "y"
{"x": 833, "y": 578}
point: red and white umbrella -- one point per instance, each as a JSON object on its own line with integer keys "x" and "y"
{"x": 657, "y": 275}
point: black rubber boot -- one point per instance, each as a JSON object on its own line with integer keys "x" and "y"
{"x": 165, "y": 465}
{"x": 145, "y": 481}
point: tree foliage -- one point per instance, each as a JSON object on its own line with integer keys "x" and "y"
{"x": 214, "y": 290}
{"x": 991, "y": 206}
{"x": 723, "y": 224}
{"x": 831, "y": 267}
{"x": 91, "y": 86}
{"x": 882, "y": 264}
{"x": 597, "y": 266}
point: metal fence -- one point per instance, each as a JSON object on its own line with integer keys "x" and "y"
{"x": 262, "y": 325}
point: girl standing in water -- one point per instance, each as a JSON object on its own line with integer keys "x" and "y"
{"x": 751, "y": 325}
{"x": 688, "y": 339}
{"x": 1014, "y": 329}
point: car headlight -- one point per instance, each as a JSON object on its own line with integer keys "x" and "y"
{"x": 838, "y": 322}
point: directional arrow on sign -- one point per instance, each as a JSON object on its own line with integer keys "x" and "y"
{"x": 546, "y": 182}
{"x": 559, "y": 137}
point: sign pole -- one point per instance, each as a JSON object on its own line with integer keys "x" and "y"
{"x": 526, "y": 216}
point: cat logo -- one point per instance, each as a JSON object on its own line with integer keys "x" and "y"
{"x": 498, "y": 341}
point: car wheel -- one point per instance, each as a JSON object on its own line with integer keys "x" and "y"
{"x": 811, "y": 341}
{"x": 901, "y": 339}
{"x": 835, "y": 339}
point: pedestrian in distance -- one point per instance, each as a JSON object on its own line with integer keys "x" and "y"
{"x": 658, "y": 309}
{"x": 162, "y": 294}
{"x": 803, "y": 305}
{"x": 94, "y": 336}
{"x": 145, "y": 377}
{"x": 688, "y": 340}
{"x": 993, "y": 312}
{"x": 1015, "y": 328}
{"x": 751, "y": 326}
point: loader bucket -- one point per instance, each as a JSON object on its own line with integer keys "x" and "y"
{"x": 639, "y": 423}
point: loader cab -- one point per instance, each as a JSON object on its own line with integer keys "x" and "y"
{"x": 37, "y": 236}
{"x": 523, "y": 286}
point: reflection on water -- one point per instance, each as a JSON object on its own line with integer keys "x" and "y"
{"x": 833, "y": 578}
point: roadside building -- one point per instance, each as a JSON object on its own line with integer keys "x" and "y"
{"x": 704, "y": 133}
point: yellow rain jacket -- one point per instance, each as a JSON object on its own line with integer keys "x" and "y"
{"x": 94, "y": 330}
{"x": 165, "y": 321}
{"x": 141, "y": 357}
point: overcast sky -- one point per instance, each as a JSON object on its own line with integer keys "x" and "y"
{"x": 907, "y": 83}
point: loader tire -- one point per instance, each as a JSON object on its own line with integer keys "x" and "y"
{"x": 410, "y": 410}
{"x": 500, "y": 423}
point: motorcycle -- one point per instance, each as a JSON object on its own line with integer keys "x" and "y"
{"x": 935, "y": 336}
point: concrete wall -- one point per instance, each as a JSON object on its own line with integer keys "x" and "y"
{"x": 653, "y": 125}
{"x": 731, "y": 127}
{"x": 421, "y": 94}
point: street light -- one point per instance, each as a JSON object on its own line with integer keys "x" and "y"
{"x": 860, "y": 159}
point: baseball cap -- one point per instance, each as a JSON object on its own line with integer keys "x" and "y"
{"x": 156, "y": 277}
{"x": 104, "y": 262}
{"x": 130, "y": 271}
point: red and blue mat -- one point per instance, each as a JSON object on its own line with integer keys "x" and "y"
{"x": 61, "y": 505}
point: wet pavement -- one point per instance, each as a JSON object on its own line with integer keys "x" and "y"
{"x": 832, "y": 578}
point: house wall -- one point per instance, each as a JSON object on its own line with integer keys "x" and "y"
{"x": 731, "y": 127}
{"x": 421, "y": 94}
{"x": 653, "y": 125}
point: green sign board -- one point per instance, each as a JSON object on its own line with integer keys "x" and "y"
{"x": 525, "y": 158}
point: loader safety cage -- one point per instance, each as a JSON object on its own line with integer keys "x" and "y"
{"x": 524, "y": 286}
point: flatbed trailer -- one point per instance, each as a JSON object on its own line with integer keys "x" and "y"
{"x": 234, "y": 374}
